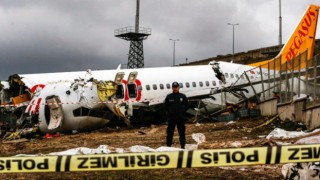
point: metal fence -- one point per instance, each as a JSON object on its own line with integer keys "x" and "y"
{"x": 288, "y": 80}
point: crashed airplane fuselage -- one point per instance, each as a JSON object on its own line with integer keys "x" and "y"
{"x": 73, "y": 103}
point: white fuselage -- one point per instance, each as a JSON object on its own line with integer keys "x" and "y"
{"x": 150, "y": 87}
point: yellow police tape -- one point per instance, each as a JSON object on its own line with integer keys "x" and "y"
{"x": 159, "y": 160}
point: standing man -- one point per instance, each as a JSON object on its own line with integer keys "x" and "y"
{"x": 176, "y": 105}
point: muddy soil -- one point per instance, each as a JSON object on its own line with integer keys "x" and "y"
{"x": 218, "y": 135}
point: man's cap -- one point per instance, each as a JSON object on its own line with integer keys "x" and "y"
{"x": 175, "y": 84}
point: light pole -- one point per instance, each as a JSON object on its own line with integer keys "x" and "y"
{"x": 280, "y": 24}
{"x": 233, "y": 38}
{"x": 174, "y": 49}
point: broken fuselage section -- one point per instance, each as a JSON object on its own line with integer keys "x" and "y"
{"x": 67, "y": 106}
{"x": 61, "y": 106}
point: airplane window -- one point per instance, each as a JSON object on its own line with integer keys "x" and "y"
{"x": 200, "y": 83}
{"x": 147, "y": 87}
{"x": 220, "y": 82}
{"x": 181, "y": 85}
{"x": 214, "y": 83}
{"x": 231, "y": 75}
{"x": 154, "y": 87}
{"x": 82, "y": 111}
{"x": 207, "y": 83}
{"x": 251, "y": 77}
{"x": 187, "y": 85}
{"x": 194, "y": 84}
{"x": 161, "y": 86}
{"x": 100, "y": 113}
{"x": 237, "y": 76}
{"x": 226, "y": 75}
{"x": 168, "y": 86}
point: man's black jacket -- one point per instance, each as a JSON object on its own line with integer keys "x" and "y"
{"x": 176, "y": 105}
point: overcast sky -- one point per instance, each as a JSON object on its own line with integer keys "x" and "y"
{"x": 70, "y": 35}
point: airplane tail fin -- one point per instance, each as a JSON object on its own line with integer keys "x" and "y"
{"x": 302, "y": 39}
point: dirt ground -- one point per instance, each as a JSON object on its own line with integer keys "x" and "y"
{"x": 218, "y": 135}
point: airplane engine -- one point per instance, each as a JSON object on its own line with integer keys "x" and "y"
{"x": 68, "y": 107}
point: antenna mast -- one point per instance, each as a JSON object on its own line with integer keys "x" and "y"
{"x": 135, "y": 35}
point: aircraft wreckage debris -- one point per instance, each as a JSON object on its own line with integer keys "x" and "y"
{"x": 210, "y": 135}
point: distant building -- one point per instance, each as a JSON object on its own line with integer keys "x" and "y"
{"x": 249, "y": 57}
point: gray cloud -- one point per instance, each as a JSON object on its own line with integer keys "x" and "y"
{"x": 69, "y": 35}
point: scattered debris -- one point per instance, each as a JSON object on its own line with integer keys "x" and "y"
{"x": 217, "y": 135}
{"x": 309, "y": 140}
{"x": 20, "y": 133}
{"x": 48, "y": 135}
{"x": 264, "y": 124}
{"x": 105, "y": 149}
{"x": 306, "y": 171}
{"x": 102, "y": 149}
{"x": 199, "y": 138}
{"x": 309, "y": 170}
{"x": 141, "y": 132}
{"x": 16, "y": 141}
{"x": 283, "y": 134}
{"x": 236, "y": 144}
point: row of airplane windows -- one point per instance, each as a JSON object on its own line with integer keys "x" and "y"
{"x": 187, "y": 85}
{"x": 237, "y": 76}
{"x": 194, "y": 84}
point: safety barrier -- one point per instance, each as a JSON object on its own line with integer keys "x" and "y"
{"x": 161, "y": 160}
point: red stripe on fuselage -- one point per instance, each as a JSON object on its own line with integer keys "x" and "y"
{"x": 138, "y": 83}
{"x": 34, "y": 88}
{"x": 37, "y": 107}
{"x": 126, "y": 96}
{"x": 30, "y": 106}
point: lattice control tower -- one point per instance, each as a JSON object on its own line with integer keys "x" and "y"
{"x": 135, "y": 35}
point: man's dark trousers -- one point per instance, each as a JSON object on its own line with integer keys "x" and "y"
{"x": 180, "y": 122}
